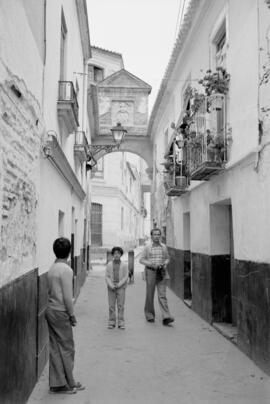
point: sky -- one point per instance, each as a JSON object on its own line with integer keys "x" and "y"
{"x": 143, "y": 31}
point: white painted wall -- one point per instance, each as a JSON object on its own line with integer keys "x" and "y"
{"x": 245, "y": 183}
{"x": 114, "y": 192}
{"x": 21, "y": 128}
{"x": 20, "y": 45}
{"x": 109, "y": 61}
{"x": 56, "y": 193}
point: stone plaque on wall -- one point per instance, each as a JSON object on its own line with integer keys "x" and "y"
{"x": 123, "y": 112}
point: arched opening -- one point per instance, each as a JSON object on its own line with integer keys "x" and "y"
{"x": 121, "y": 186}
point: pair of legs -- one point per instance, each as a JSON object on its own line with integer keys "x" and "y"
{"x": 116, "y": 297}
{"x": 151, "y": 285}
{"x": 62, "y": 350}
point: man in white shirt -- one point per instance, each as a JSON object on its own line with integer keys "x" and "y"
{"x": 155, "y": 257}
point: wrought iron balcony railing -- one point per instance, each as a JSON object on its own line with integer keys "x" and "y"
{"x": 206, "y": 146}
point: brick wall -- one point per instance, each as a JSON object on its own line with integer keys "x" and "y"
{"x": 20, "y": 134}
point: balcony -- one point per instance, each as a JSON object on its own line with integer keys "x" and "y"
{"x": 67, "y": 106}
{"x": 81, "y": 146}
{"x": 175, "y": 185}
{"x": 206, "y": 146}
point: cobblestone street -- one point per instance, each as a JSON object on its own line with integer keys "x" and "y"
{"x": 188, "y": 363}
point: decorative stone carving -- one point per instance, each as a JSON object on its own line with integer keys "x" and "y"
{"x": 123, "y": 112}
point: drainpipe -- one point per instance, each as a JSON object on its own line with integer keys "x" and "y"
{"x": 44, "y": 49}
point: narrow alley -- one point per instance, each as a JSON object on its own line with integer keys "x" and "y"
{"x": 187, "y": 363}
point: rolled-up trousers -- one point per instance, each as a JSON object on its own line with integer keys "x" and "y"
{"x": 151, "y": 285}
{"x": 62, "y": 349}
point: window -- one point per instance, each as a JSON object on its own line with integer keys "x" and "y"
{"x": 220, "y": 43}
{"x": 95, "y": 73}
{"x": 63, "y": 47}
{"x": 98, "y": 74}
{"x": 96, "y": 224}
{"x": 220, "y": 46}
{"x": 61, "y": 222}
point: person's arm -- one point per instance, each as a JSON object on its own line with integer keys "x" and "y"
{"x": 108, "y": 278}
{"x": 125, "y": 277}
{"x": 66, "y": 282}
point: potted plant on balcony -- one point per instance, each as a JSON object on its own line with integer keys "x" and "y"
{"x": 216, "y": 147}
{"x": 180, "y": 175}
{"x": 216, "y": 85}
{"x": 196, "y": 101}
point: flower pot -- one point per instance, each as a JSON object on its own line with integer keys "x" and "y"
{"x": 216, "y": 101}
{"x": 180, "y": 181}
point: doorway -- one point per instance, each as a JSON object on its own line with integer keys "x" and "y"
{"x": 96, "y": 224}
{"x": 222, "y": 254}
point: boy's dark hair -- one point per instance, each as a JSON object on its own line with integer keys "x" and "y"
{"x": 61, "y": 247}
{"x": 155, "y": 229}
{"x": 117, "y": 249}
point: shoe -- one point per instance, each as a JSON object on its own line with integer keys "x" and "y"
{"x": 168, "y": 320}
{"x": 151, "y": 320}
{"x": 111, "y": 326}
{"x": 79, "y": 386}
{"x": 121, "y": 326}
{"x": 63, "y": 390}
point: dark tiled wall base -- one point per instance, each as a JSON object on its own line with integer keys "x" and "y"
{"x": 249, "y": 309}
{"x": 18, "y": 333}
{"x": 176, "y": 271}
{"x": 42, "y": 328}
{"x": 201, "y": 286}
{"x": 251, "y": 293}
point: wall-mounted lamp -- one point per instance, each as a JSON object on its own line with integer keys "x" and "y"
{"x": 118, "y": 134}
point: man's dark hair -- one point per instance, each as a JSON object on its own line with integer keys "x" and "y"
{"x": 117, "y": 249}
{"x": 61, "y": 247}
{"x": 155, "y": 229}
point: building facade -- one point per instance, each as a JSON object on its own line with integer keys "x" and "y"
{"x": 210, "y": 194}
{"x": 118, "y": 183}
{"x": 118, "y": 206}
{"x": 44, "y": 186}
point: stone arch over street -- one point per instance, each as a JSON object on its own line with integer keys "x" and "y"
{"x": 142, "y": 147}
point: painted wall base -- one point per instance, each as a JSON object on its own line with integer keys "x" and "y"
{"x": 18, "y": 336}
{"x": 248, "y": 307}
{"x": 251, "y": 285}
{"x": 24, "y": 343}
